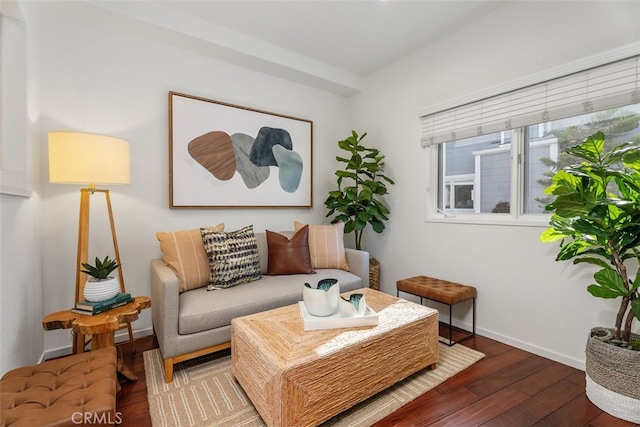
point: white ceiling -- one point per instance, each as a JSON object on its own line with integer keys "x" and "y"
{"x": 331, "y": 44}
{"x": 355, "y": 36}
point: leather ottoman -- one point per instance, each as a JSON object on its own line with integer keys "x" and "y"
{"x": 444, "y": 292}
{"x": 77, "y": 390}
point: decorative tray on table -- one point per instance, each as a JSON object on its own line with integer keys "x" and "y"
{"x": 337, "y": 319}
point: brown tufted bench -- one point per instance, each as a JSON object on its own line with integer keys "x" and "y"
{"x": 77, "y": 390}
{"x": 444, "y": 292}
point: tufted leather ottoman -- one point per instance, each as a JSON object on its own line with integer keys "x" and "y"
{"x": 444, "y": 292}
{"x": 77, "y": 390}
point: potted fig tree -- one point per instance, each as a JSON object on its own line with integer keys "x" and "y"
{"x": 596, "y": 218}
{"x": 357, "y": 200}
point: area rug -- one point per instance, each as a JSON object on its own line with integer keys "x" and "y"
{"x": 204, "y": 392}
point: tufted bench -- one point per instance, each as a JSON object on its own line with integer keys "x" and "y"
{"x": 77, "y": 390}
{"x": 444, "y": 292}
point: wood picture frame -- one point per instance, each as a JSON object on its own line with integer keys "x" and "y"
{"x": 223, "y": 155}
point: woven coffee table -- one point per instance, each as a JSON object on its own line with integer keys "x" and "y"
{"x": 298, "y": 378}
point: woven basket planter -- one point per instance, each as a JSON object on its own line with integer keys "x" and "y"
{"x": 374, "y": 274}
{"x": 613, "y": 377}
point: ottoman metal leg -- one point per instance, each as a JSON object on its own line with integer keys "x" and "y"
{"x": 443, "y": 292}
{"x": 457, "y": 328}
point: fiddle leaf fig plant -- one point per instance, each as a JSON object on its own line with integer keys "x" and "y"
{"x": 101, "y": 269}
{"x": 360, "y": 185}
{"x": 596, "y": 218}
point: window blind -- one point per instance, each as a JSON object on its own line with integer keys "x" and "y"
{"x": 607, "y": 86}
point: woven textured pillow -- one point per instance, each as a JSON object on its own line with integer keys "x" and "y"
{"x": 233, "y": 257}
{"x": 326, "y": 245}
{"x": 184, "y": 253}
{"x": 289, "y": 256}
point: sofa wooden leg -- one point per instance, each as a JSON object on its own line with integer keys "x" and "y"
{"x": 169, "y": 362}
{"x": 168, "y": 370}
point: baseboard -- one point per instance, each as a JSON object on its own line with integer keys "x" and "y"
{"x": 121, "y": 336}
{"x": 543, "y": 352}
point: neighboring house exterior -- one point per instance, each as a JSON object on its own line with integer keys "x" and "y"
{"x": 475, "y": 173}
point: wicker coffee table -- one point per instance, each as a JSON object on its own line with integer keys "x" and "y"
{"x": 298, "y": 378}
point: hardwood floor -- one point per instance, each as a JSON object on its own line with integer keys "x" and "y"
{"x": 509, "y": 387}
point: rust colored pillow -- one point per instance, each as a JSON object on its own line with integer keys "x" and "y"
{"x": 184, "y": 253}
{"x": 289, "y": 256}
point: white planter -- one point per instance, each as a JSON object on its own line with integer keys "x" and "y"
{"x": 613, "y": 377}
{"x": 100, "y": 290}
{"x": 616, "y": 404}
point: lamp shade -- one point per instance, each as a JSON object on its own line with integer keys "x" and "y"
{"x": 85, "y": 158}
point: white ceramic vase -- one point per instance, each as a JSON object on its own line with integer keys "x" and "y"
{"x": 100, "y": 290}
{"x": 355, "y": 306}
{"x": 321, "y": 302}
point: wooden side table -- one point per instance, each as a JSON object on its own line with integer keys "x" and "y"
{"x": 101, "y": 327}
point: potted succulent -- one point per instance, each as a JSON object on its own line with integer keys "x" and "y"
{"x": 101, "y": 285}
{"x": 596, "y": 218}
{"x": 356, "y": 201}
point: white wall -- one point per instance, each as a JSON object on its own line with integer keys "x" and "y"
{"x": 21, "y": 334}
{"x": 525, "y": 298}
{"x": 94, "y": 77}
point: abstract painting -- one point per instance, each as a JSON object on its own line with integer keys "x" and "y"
{"x": 225, "y": 155}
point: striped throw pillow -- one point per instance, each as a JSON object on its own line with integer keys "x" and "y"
{"x": 326, "y": 245}
{"x": 184, "y": 253}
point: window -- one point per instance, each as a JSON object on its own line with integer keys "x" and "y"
{"x": 475, "y": 173}
{"x": 485, "y": 168}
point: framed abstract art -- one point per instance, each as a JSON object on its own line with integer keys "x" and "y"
{"x": 225, "y": 155}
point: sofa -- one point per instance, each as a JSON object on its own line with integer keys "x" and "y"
{"x": 190, "y": 320}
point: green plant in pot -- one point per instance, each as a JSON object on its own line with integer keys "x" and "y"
{"x": 596, "y": 218}
{"x": 102, "y": 285}
{"x": 361, "y": 184}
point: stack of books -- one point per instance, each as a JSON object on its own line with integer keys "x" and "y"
{"x": 91, "y": 308}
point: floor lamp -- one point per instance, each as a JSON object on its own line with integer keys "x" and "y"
{"x": 89, "y": 159}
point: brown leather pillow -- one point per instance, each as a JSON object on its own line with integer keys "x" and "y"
{"x": 289, "y": 256}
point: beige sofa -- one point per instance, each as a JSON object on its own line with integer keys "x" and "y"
{"x": 196, "y": 322}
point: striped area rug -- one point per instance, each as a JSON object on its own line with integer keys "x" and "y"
{"x": 204, "y": 392}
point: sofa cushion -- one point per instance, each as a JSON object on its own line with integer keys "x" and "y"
{"x": 326, "y": 245}
{"x": 289, "y": 256}
{"x": 233, "y": 257}
{"x": 201, "y": 310}
{"x": 184, "y": 253}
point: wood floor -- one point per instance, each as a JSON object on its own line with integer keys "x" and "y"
{"x": 509, "y": 387}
